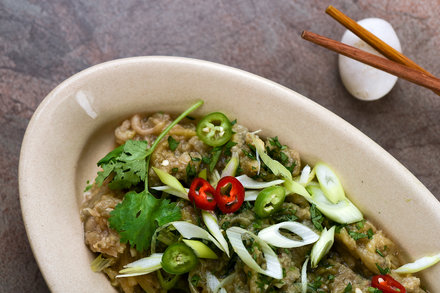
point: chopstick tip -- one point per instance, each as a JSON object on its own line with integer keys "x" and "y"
{"x": 329, "y": 8}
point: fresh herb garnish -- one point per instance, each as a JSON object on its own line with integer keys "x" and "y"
{"x": 315, "y": 285}
{"x": 172, "y": 143}
{"x": 127, "y": 163}
{"x": 174, "y": 170}
{"x": 331, "y": 277}
{"x": 317, "y": 217}
{"x": 383, "y": 271}
{"x": 233, "y": 122}
{"x": 349, "y": 288}
{"x": 191, "y": 172}
{"x": 274, "y": 142}
{"x": 374, "y": 290}
{"x": 195, "y": 159}
{"x": 370, "y": 233}
{"x": 339, "y": 227}
{"x": 356, "y": 235}
{"x": 206, "y": 160}
{"x": 215, "y": 155}
{"x": 88, "y": 186}
{"x": 360, "y": 224}
{"x": 248, "y": 154}
{"x": 139, "y": 214}
{"x": 379, "y": 252}
{"x": 227, "y": 148}
{"x": 285, "y": 215}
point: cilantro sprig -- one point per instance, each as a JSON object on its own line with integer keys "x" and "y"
{"x": 139, "y": 214}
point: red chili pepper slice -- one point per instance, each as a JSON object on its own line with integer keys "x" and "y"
{"x": 229, "y": 194}
{"x": 387, "y": 284}
{"x": 202, "y": 194}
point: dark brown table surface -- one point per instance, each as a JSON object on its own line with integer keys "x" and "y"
{"x": 44, "y": 42}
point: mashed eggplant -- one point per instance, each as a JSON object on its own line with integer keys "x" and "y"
{"x": 360, "y": 250}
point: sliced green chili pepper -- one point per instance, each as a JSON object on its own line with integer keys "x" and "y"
{"x": 269, "y": 200}
{"x": 178, "y": 259}
{"x": 214, "y": 129}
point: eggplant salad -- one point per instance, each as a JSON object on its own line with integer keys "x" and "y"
{"x": 206, "y": 205}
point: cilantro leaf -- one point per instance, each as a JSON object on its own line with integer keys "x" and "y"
{"x": 383, "y": 271}
{"x": 128, "y": 164}
{"x": 111, "y": 156}
{"x": 317, "y": 217}
{"x": 349, "y": 288}
{"x": 138, "y": 216}
{"x": 172, "y": 143}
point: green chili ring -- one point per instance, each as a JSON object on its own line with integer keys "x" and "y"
{"x": 269, "y": 200}
{"x": 214, "y": 129}
{"x": 178, "y": 259}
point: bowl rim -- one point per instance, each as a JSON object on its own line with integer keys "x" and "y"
{"x": 51, "y": 96}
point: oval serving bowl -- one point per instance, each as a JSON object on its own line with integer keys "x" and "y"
{"x": 73, "y": 128}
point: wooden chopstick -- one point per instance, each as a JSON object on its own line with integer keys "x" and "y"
{"x": 374, "y": 41}
{"x": 403, "y": 71}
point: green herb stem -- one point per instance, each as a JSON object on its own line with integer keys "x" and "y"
{"x": 163, "y": 133}
{"x": 177, "y": 120}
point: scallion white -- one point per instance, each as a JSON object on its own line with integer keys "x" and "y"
{"x": 344, "y": 212}
{"x": 329, "y": 182}
{"x": 170, "y": 180}
{"x": 251, "y": 195}
{"x": 172, "y": 191}
{"x": 250, "y": 183}
{"x": 276, "y": 167}
{"x": 213, "y": 283}
{"x": 142, "y": 266}
{"x": 211, "y": 222}
{"x": 273, "y": 236}
{"x": 307, "y": 175}
{"x": 231, "y": 166}
{"x": 100, "y": 263}
{"x": 189, "y": 231}
{"x": 273, "y": 265}
{"x": 418, "y": 265}
{"x": 304, "y": 276}
{"x": 322, "y": 246}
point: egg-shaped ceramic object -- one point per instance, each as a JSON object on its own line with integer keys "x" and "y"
{"x": 363, "y": 81}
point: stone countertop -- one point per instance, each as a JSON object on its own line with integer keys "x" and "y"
{"x": 44, "y": 42}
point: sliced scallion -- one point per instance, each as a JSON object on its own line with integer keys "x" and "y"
{"x": 172, "y": 191}
{"x": 276, "y": 167}
{"x": 251, "y": 195}
{"x": 273, "y": 236}
{"x": 418, "y": 265}
{"x": 213, "y": 283}
{"x": 344, "y": 212}
{"x": 273, "y": 265}
{"x": 100, "y": 263}
{"x": 250, "y": 183}
{"x": 231, "y": 166}
{"x": 304, "y": 276}
{"x": 211, "y": 222}
{"x": 189, "y": 231}
{"x": 329, "y": 182}
{"x": 142, "y": 266}
{"x": 201, "y": 249}
{"x": 169, "y": 180}
{"x": 322, "y": 246}
{"x": 307, "y": 175}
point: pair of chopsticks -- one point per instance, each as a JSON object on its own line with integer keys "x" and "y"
{"x": 396, "y": 64}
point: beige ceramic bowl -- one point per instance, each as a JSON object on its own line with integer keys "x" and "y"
{"x": 73, "y": 128}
